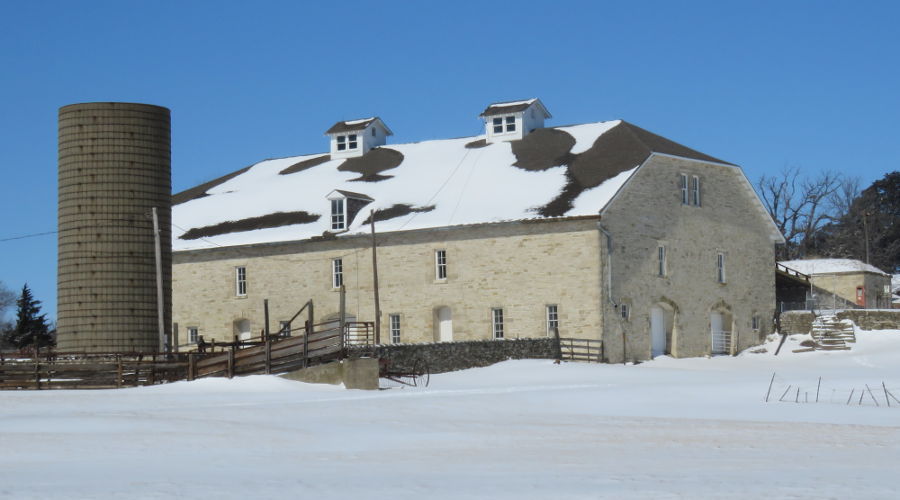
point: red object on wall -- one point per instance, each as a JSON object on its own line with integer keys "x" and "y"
{"x": 861, "y": 296}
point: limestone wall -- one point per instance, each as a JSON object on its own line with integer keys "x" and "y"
{"x": 868, "y": 319}
{"x": 844, "y": 286}
{"x": 794, "y": 322}
{"x": 797, "y": 322}
{"x": 451, "y": 356}
{"x": 647, "y": 213}
{"x": 520, "y": 267}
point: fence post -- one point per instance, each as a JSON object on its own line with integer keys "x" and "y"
{"x": 118, "y": 371}
{"x": 343, "y": 320}
{"x": 137, "y": 370}
{"x": 191, "y": 367}
{"x": 558, "y": 345}
{"x": 151, "y": 377}
{"x": 268, "y": 355}
{"x": 231, "y": 362}
{"x": 309, "y": 331}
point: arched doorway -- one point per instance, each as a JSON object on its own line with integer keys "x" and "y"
{"x": 242, "y": 329}
{"x": 443, "y": 321}
{"x": 662, "y": 323}
{"x": 720, "y": 325}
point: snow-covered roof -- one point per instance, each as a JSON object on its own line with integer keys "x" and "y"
{"x": 830, "y": 266}
{"x": 499, "y": 108}
{"x": 895, "y": 283}
{"x": 356, "y": 125}
{"x": 552, "y": 172}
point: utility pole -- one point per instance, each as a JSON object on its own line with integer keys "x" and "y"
{"x": 160, "y": 313}
{"x": 866, "y": 215}
{"x": 375, "y": 281}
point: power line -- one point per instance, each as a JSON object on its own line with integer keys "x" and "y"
{"x": 22, "y": 237}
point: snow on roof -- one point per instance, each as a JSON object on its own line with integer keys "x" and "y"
{"x": 432, "y": 184}
{"x": 895, "y": 283}
{"x": 830, "y": 266}
{"x": 513, "y": 106}
{"x": 352, "y": 125}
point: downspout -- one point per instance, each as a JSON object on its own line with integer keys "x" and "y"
{"x": 609, "y": 295}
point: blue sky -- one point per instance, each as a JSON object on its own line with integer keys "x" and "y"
{"x": 813, "y": 84}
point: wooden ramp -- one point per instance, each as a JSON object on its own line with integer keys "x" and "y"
{"x": 272, "y": 355}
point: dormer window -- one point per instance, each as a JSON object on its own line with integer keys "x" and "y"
{"x": 356, "y": 137}
{"x": 338, "y": 214}
{"x": 510, "y": 121}
{"x": 345, "y": 142}
{"x": 345, "y": 205}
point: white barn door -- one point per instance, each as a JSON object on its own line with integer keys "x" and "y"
{"x": 657, "y": 331}
{"x": 445, "y": 324}
{"x": 719, "y": 336}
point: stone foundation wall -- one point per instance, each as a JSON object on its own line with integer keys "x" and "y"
{"x": 869, "y": 319}
{"x": 794, "y": 322}
{"x": 451, "y": 356}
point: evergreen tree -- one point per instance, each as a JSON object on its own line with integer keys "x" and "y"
{"x": 873, "y": 221}
{"x": 31, "y": 328}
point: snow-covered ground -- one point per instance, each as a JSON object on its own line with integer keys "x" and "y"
{"x": 690, "y": 428}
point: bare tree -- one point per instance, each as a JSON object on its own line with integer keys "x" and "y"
{"x": 7, "y": 299}
{"x": 800, "y": 205}
{"x": 844, "y": 196}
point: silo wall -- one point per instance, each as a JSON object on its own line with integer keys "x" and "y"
{"x": 114, "y": 167}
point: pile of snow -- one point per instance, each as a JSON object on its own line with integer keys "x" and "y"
{"x": 830, "y": 266}
{"x": 669, "y": 428}
{"x": 461, "y": 183}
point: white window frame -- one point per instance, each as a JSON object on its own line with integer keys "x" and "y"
{"x": 347, "y": 142}
{"x": 240, "y": 281}
{"x": 552, "y": 318}
{"x": 720, "y": 268}
{"x": 662, "y": 264}
{"x": 193, "y": 334}
{"x": 695, "y": 190}
{"x": 337, "y": 272}
{"x": 625, "y": 311}
{"x": 497, "y": 323}
{"x": 284, "y": 328}
{"x": 754, "y": 322}
{"x": 394, "y": 325}
{"x": 338, "y": 214}
{"x": 503, "y": 124}
{"x": 685, "y": 198}
{"x": 440, "y": 265}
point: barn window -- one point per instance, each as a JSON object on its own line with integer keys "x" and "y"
{"x": 497, "y": 322}
{"x": 337, "y": 273}
{"x": 240, "y": 281}
{"x": 552, "y": 319}
{"x": 440, "y": 264}
{"x": 338, "y": 214}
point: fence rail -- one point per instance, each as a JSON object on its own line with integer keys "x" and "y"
{"x": 264, "y": 354}
{"x": 90, "y": 371}
{"x": 581, "y": 349}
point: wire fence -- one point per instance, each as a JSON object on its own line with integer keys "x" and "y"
{"x": 876, "y": 394}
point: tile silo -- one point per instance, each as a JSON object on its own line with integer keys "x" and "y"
{"x": 114, "y": 169}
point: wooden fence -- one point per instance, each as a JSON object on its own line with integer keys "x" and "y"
{"x": 58, "y": 370}
{"x": 265, "y": 354}
{"x": 581, "y": 349}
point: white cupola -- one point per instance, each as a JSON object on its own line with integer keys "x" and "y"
{"x": 513, "y": 120}
{"x": 357, "y": 137}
